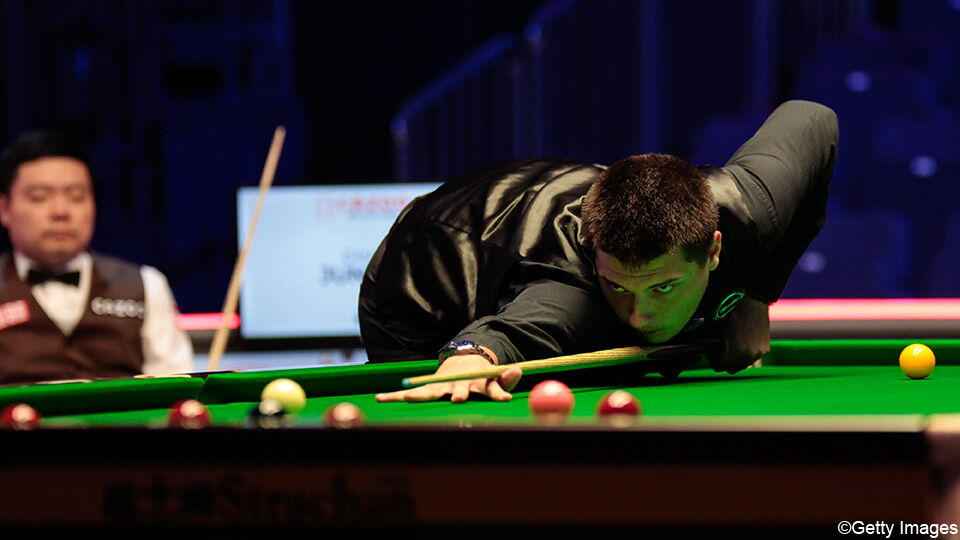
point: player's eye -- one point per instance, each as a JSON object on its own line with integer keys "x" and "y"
{"x": 76, "y": 194}
{"x": 37, "y": 193}
{"x": 664, "y": 289}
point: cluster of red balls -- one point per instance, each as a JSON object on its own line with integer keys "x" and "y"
{"x": 552, "y": 402}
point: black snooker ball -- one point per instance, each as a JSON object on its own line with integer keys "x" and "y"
{"x": 269, "y": 414}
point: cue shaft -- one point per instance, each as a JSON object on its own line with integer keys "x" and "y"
{"x": 609, "y": 357}
{"x": 233, "y": 291}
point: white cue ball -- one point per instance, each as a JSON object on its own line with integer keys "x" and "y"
{"x": 287, "y": 392}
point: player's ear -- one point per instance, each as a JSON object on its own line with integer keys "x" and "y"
{"x": 713, "y": 256}
{"x": 4, "y": 208}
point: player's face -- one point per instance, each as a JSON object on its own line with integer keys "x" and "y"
{"x": 658, "y": 298}
{"x": 50, "y": 211}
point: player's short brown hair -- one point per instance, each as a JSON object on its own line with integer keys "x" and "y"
{"x": 642, "y": 207}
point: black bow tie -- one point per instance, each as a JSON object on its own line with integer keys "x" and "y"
{"x": 36, "y": 277}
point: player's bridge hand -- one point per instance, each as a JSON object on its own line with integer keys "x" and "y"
{"x": 496, "y": 389}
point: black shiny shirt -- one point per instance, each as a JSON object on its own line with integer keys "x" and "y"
{"x": 498, "y": 257}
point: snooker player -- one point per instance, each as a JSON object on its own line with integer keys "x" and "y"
{"x": 66, "y": 313}
{"x": 540, "y": 258}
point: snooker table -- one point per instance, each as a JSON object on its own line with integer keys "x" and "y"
{"x": 824, "y": 431}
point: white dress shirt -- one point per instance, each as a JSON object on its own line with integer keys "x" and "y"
{"x": 166, "y": 348}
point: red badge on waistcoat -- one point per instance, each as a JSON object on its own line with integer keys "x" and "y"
{"x": 14, "y": 313}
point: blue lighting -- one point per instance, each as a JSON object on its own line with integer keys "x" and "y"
{"x": 82, "y": 63}
{"x": 858, "y": 81}
{"x": 532, "y": 31}
{"x": 923, "y": 166}
{"x": 398, "y": 126}
{"x": 812, "y": 262}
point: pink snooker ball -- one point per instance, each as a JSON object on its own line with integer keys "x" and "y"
{"x": 550, "y": 400}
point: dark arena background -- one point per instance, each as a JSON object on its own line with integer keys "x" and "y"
{"x": 177, "y": 101}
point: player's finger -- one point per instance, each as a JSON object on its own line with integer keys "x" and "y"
{"x": 724, "y": 359}
{"x": 430, "y": 392}
{"x": 460, "y": 391}
{"x": 509, "y": 379}
{"x": 496, "y": 392}
{"x": 740, "y": 362}
{"x": 734, "y": 364}
{"x": 390, "y": 396}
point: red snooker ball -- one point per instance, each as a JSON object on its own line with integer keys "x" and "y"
{"x": 344, "y": 415}
{"x": 618, "y": 406}
{"x": 19, "y": 416}
{"x": 188, "y": 414}
{"x": 551, "y": 401}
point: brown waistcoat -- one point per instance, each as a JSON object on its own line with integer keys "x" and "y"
{"x": 106, "y": 342}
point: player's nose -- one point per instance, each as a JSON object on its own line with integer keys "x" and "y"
{"x": 640, "y": 317}
{"x": 59, "y": 207}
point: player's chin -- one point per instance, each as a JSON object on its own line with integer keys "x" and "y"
{"x": 60, "y": 247}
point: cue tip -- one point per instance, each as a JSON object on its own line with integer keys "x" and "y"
{"x": 406, "y": 382}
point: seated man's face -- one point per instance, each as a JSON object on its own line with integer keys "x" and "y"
{"x": 658, "y": 298}
{"x": 50, "y": 211}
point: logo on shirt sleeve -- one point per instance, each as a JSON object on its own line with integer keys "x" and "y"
{"x": 14, "y": 313}
{"x": 728, "y": 304}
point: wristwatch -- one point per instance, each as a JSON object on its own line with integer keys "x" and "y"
{"x": 456, "y": 348}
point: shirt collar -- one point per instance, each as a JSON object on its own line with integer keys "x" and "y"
{"x": 23, "y": 264}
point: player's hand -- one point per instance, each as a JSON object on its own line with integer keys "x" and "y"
{"x": 746, "y": 337}
{"x": 496, "y": 389}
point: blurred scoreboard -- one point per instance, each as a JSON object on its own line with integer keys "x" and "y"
{"x": 310, "y": 251}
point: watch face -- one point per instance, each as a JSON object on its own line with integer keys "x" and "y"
{"x": 455, "y": 347}
{"x": 463, "y": 347}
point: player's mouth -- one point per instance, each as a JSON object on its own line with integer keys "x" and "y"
{"x": 59, "y": 234}
{"x": 649, "y": 335}
{"x": 659, "y": 335}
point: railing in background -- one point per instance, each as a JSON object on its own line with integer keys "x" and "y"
{"x": 470, "y": 117}
{"x": 600, "y": 80}
{"x": 588, "y": 64}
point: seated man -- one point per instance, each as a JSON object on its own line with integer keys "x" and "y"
{"x": 540, "y": 258}
{"x": 66, "y": 313}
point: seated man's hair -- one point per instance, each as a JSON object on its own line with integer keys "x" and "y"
{"x": 36, "y": 145}
{"x": 642, "y": 207}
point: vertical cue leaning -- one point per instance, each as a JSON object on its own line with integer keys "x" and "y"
{"x": 233, "y": 291}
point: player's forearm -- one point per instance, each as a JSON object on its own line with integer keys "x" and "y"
{"x": 546, "y": 318}
{"x": 787, "y": 167}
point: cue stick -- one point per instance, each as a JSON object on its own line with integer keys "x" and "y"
{"x": 609, "y": 357}
{"x": 233, "y": 291}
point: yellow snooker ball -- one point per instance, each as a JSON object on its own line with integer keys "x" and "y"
{"x": 287, "y": 392}
{"x": 917, "y": 361}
